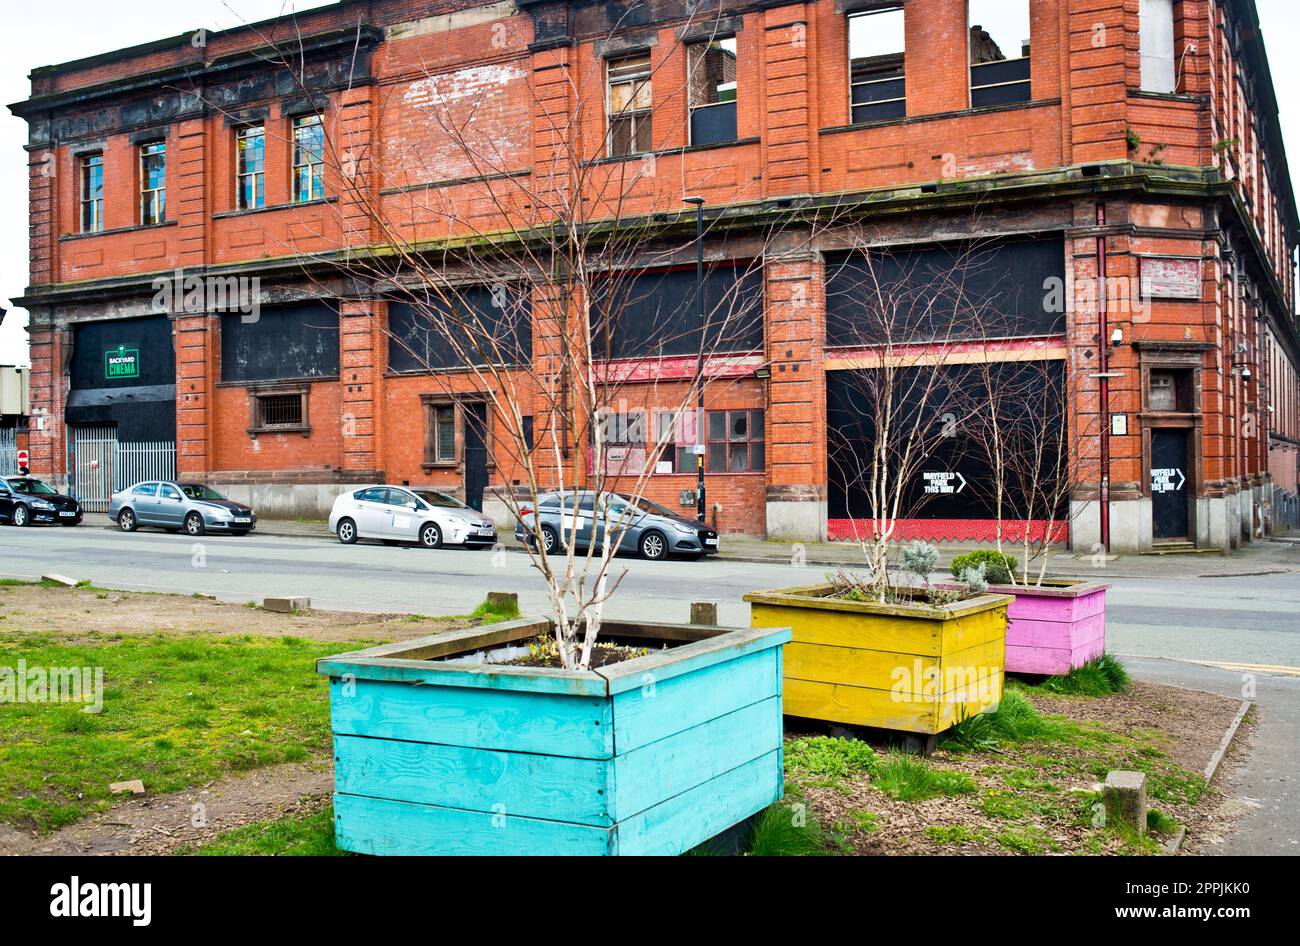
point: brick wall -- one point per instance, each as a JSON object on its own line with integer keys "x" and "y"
{"x": 470, "y": 66}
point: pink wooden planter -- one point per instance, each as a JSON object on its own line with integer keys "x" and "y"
{"x": 1054, "y": 627}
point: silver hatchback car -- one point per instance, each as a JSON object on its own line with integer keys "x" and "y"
{"x": 426, "y": 517}
{"x": 653, "y": 531}
{"x": 175, "y": 506}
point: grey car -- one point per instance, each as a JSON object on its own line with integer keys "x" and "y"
{"x": 179, "y": 506}
{"x": 653, "y": 531}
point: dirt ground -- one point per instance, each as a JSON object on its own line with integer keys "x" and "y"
{"x": 1184, "y": 726}
{"x": 162, "y": 823}
{"x": 35, "y": 609}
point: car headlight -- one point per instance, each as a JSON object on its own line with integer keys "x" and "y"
{"x": 42, "y": 504}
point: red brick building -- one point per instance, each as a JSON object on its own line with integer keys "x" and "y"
{"x": 1108, "y": 143}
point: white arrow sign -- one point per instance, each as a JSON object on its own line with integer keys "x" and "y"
{"x": 1162, "y": 481}
{"x": 941, "y": 483}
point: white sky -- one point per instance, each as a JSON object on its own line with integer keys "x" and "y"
{"x": 38, "y": 34}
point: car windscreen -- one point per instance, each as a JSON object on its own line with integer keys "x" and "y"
{"x": 201, "y": 492}
{"x": 438, "y": 500}
{"x": 31, "y": 487}
{"x": 649, "y": 507}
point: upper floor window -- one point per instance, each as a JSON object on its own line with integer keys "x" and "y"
{"x": 308, "y": 158}
{"x": 712, "y": 81}
{"x": 629, "y": 105}
{"x": 92, "y": 193}
{"x": 250, "y": 167}
{"x": 877, "y": 90}
{"x": 1156, "y": 35}
{"x": 153, "y": 183}
{"x": 999, "y": 52}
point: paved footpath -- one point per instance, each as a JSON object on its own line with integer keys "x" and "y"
{"x": 1267, "y": 784}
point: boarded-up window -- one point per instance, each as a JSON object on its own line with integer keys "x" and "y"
{"x": 468, "y": 325}
{"x": 285, "y": 343}
{"x": 1003, "y": 290}
{"x": 657, "y": 314}
{"x": 1156, "y": 22}
{"x": 957, "y": 480}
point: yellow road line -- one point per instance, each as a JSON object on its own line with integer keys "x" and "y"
{"x": 1276, "y": 669}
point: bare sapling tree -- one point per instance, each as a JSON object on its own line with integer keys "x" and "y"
{"x": 1025, "y": 432}
{"x": 509, "y": 262}
{"x": 902, "y": 324}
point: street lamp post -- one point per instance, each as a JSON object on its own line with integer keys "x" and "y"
{"x": 700, "y": 506}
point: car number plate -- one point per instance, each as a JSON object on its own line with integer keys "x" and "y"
{"x": 713, "y": 541}
{"x": 487, "y": 531}
{"x": 67, "y": 514}
{"x": 243, "y": 519}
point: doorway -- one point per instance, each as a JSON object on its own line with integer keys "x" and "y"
{"x": 1169, "y": 491}
{"x": 476, "y": 466}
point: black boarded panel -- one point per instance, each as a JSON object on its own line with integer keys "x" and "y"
{"x": 656, "y": 314}
{"x": 921, "y": 294}
{"x": 956, "y": 395}
{"x": 488, "y": 325}
{"x": 149, "y": 338}
{"x": 281, "y": 344}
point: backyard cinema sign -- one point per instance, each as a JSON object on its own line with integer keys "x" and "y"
{"x": 122, "y": 362}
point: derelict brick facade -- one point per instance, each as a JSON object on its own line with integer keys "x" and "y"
{"x": 1192, "y": 185}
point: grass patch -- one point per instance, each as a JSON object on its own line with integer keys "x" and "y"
{"x": 1026, "y": 840}
{"x": 906, "y": 777}
{"x": 177, "y": 712}
{"x": 957, "y": 834}
{"x": 493, "y": 613}
{"x": 308, "y": 835}
{"x": 1016, "y": 720}
{"x": 824, "y": 757}
{"x": 1099, "y": 677}
{"x": 1161, "y": 823}
{"x": 785, "y": 831}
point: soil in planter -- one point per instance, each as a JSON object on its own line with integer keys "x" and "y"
{"x": 542, "y": 652}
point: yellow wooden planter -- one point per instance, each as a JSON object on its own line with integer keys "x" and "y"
{"x": 909, "y": 667}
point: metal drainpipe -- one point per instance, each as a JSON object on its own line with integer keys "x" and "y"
{"x": 1103, "y": 359}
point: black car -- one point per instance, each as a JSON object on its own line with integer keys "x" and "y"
{"x": 25, "y": 501}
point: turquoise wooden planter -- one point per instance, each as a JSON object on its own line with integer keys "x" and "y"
{"x": 437, "y": 753}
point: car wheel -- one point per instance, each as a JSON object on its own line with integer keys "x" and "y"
{"x": 194, "y": 524}
{"x": 347, "y": 532}
{"x": 22, "y": 516}
{"x": 653, "y": 546}
{"x": 430, "y": 536}
{"x": 126, "y": 520}
{"x": 551, "y": 540}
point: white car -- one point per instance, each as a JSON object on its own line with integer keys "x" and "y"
{"x": 426, "y": 517}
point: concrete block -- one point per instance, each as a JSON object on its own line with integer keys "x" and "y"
{"x": 135, "y": 787}
{"x": 503, "y": 600}
{"x": 60, "y": 580}
{"x": 286, "y": 605}
{"x": 704, "y": 612}
{"x": 1125, "y": 797}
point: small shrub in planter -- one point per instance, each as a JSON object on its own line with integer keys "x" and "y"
{"x": 998, "y": 566}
